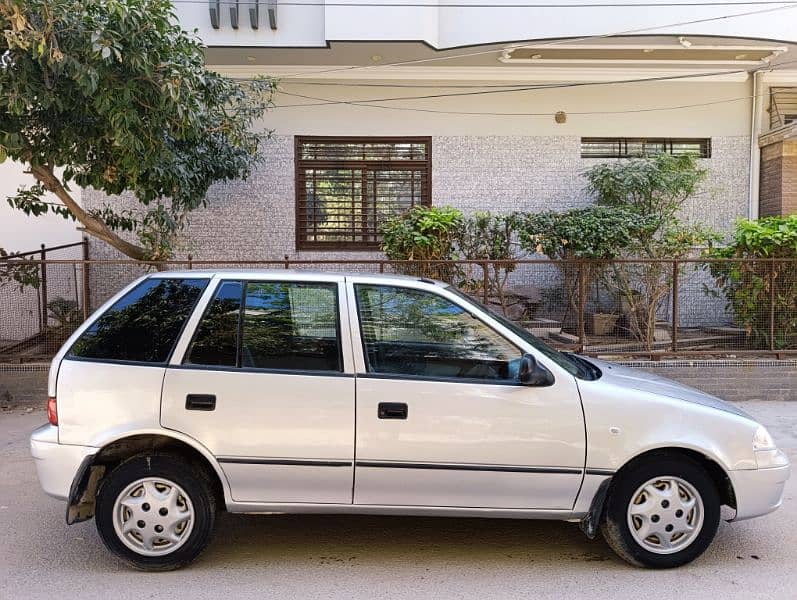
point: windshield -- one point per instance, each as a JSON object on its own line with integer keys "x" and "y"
{"x": 575, "y": 365}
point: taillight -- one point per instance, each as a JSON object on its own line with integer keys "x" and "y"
{"x": 52, "y": 410}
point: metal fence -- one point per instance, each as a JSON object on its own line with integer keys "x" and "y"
{"x": 639, "y": 307}
{"x": 42, "y": 303}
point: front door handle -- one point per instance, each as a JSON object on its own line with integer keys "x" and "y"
{"x": 200, "y": 402}
{"x": 392, "y": 410}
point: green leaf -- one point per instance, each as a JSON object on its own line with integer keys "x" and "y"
{"x": 123, "y": 102}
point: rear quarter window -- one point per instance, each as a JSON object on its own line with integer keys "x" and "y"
{"x": 143, "y": 325}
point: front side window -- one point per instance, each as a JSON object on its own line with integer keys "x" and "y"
{"x": 414, "y": 332}
{"x": 347, "y": 187}
{"x": 270, "y": 325}
{"x": 142, "y": 326}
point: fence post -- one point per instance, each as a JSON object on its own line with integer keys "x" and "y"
{"x": 190, "y": 263}
{"x": 43, "y": 289}
{"x": 287, "y": 262}
{"x": 381, "y": 266}
{"x": 86, "y": 291}
{"x": 772, "y": 275}
{"x": 582, "y": 301}
{"x": 485, "y": 282}
{"x": 675, "y": 284}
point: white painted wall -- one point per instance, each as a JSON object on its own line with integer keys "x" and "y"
{"x": 443, "y": 27}
{"x": 21, "y": 233}
{"x": 726, "y": 113}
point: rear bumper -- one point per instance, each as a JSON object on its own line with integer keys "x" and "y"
{"x": 56, "y": 464}
{"x": 759, "y": 491}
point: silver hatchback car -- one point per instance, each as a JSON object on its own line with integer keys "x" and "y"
{"x": 293, "y": 392}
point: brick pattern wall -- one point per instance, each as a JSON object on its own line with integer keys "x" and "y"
{"x": 789, "y": 189}
{"x": 504, "y": 173}
{"x": 733, "y": 380}
{"x": 771, "y": 180}
{"x": 255, "y": 218}
{"x": 778, "y": 176}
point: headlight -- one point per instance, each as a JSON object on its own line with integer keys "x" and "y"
{"x": 762, "y": 440}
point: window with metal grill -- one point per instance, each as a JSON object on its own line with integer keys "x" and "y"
{"x": 638, "y": 147}
{"x": 347, "y": 187}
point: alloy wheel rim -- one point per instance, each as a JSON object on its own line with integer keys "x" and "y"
{"x": 665, "y": 514}
{"x": 153, "y": 516}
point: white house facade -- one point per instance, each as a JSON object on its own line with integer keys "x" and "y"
{"x": 385, "y": 104}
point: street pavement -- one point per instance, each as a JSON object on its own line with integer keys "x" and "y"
{"x": 382, "y": 557}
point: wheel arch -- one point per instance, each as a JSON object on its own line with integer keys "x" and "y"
{"x": 712, "y": 466}
{"x": 113, "y": 451}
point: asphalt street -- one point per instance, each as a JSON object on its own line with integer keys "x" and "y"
{"x": 382, "y": 557}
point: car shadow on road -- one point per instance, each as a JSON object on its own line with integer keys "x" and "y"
{"x": 337, "y": 539}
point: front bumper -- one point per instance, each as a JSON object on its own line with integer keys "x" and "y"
{"x": 56, "y": 464}
{"x": 760, "y": 491}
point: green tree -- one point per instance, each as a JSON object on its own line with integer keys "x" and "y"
{"x": 594, "y": 233}
{"x": 113, "y": 95}
{"x": 654, "y": 189}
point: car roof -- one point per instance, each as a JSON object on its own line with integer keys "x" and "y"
{"x": 292, "y": 274}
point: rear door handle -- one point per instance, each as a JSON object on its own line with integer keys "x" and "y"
{"x": 200, "y": 402}
{"x": 392, "y": 410}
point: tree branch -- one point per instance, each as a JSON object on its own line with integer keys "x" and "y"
{"x": 93, "y": 226}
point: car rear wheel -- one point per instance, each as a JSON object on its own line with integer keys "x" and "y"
{"x": 661, "y": 513}
{"x": 156, "y": 512}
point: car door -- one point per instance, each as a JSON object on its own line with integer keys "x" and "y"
{"x": 265, "y": 383}
{"x": 441, "y": 418}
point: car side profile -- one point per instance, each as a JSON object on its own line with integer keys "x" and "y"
{"x": 296, "y": 392}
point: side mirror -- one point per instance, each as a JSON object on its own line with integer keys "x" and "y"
{"x": 532, "y": 373}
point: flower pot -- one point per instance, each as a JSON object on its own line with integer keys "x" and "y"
{"x": 600, "y": 323}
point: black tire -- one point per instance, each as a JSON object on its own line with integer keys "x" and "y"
{"x": 615, "y": 528}
{"x": 196, "y": 485}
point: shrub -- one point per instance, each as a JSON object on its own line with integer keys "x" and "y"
{"x": 423, "y": 233}
{"x": 488, "y": 237}
{"x": 749, "y": 287}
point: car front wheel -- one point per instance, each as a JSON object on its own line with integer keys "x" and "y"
{"x": 661, "y": 513}
{"x": 156, "y": 512}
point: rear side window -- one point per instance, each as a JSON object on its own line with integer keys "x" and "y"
{"x": 216, "y": 340}
{"x": 291, "y": 326}
{"x": 285, "y": 326}
{"x": 142, "y": 326}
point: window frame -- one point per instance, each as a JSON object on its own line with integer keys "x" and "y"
{"x": 301, "y": 165}
{"x": 623, "y": 142}
{"x": 363, "y": 369}
{"x": 184, "y": 345}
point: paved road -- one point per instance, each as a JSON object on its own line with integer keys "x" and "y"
{"x": 382, "y": 557}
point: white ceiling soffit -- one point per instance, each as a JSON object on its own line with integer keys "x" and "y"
{"x": 522, "y": 74}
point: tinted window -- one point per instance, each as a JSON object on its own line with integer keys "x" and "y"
{"x": 291, "y": 326}
{"x": 216, "y": 339}
{"x": 413, "y": 332}
{"x": 284, "y": 326}
{"x": 572, "y": 364}
{"x": 143, "y": 326}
